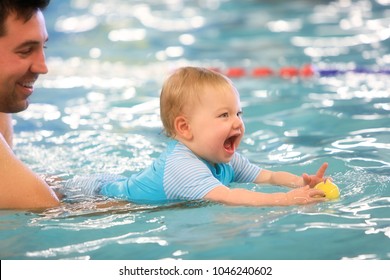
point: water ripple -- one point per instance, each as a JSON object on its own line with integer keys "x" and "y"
{"x": 93, "y": 245}
{"x": 97, "y": 110}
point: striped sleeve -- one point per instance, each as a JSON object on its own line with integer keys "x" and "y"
{"x": 187, "y": 177}
{"x": 244, "y": 171}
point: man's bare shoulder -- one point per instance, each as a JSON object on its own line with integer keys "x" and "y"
{"x": 20, "y": 187}
{"x": 6, "y": 128}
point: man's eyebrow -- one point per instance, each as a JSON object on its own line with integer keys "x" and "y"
{"x": 30, "y": 43}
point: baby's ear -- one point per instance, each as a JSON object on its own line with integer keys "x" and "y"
{"x": 183, "y": 128}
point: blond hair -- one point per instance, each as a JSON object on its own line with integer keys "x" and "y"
{"x": 183, "y": 90}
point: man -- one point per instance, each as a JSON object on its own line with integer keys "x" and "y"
{"x": 23, "y": 37}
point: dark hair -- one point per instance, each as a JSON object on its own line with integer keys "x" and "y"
{"x": 24, "y": 9}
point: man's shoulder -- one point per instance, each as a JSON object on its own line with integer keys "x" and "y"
{"x": 6, "y": 130}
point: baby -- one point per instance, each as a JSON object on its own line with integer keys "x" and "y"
{"x": 202, "y": 116}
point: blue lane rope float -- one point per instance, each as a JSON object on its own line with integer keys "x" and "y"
{"x": 304, "y": 71}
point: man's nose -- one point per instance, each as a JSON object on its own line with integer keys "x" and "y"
{"x": 39, "y": 64}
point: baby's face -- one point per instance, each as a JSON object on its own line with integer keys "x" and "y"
{"x": 216, "y": 125}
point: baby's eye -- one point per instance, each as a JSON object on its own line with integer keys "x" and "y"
{"x": 224, "y": 115}
{"x": 239, "y": 114}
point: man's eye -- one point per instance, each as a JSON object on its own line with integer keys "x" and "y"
{"x": 25, "y": 51}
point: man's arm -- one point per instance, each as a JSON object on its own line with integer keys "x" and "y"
{"x": 20, "y": 188}
{"x": 6, "y": 128}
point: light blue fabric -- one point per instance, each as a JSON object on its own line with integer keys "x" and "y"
{"x": 178, "y": 174}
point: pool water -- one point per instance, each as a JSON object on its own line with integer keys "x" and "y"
{"x": 98, "y": 111}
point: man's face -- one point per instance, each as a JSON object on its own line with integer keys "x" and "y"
{"x": 22, "y": 59}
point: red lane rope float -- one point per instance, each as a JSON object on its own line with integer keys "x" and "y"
{"x": 263, "y": 72}
{"x": 236, "y": 72}
{"x": 288, "y": 72}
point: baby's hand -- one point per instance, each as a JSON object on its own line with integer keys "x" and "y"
{"x": 313, "y": 180}
{"x": 305, "y": 195}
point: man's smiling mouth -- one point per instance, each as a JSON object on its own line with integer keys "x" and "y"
{"x": 27, "y": 84}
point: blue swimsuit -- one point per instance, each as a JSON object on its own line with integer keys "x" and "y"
{"x": 178, "y": 174}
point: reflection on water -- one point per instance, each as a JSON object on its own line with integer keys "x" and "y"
{"x": 98, "y": 111}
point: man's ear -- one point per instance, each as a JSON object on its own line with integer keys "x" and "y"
{"x": 183, "y": 128}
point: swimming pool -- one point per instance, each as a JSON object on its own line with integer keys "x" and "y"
{"x": 97, "y": 110}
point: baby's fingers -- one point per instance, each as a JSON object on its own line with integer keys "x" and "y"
{"x": 321, "y": 171}
{"x": 316, "y": 193}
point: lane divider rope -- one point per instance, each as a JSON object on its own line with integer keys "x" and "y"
{"x": 305, "y": 71}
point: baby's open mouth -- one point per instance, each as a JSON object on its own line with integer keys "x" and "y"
{"x": 230, "y": 144}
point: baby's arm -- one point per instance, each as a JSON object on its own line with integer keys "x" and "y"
{"x": 287, "y": 179}
{"x": 243, "y": 197}
{"x": 303, "y": 192}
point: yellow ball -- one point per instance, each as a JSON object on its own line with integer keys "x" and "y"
{"x": 331, "y": 190}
